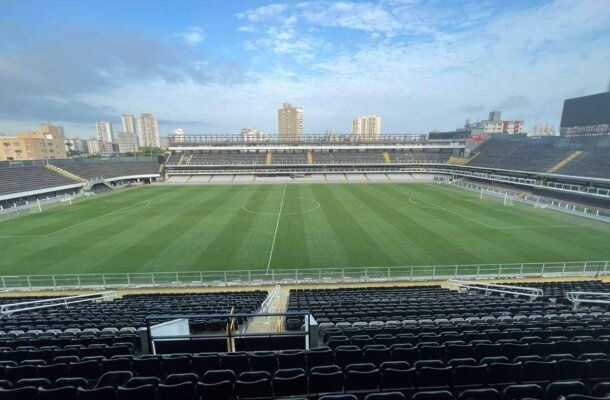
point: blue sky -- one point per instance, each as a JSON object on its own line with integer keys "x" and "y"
{"x": 217, "y": 66}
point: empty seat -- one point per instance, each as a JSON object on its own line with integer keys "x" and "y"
{"x": 558, "y": 390}
{"x": 518, "y": 392}
{"x": 433, "y": 395}
{"x": 290, "y": 382}
{"x": 480, "y": 394}
{"x": 61, "y": 393}
{"x": 251, "y": 385}
{"x": 326, "y": 379}
{"x": 137, "y": 393}
{"x": 178, "y": 391}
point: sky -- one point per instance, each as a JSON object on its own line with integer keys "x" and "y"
{"x": 216, "y": 66}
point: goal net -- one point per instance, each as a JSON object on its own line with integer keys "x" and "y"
{"x": 506, "y": 198}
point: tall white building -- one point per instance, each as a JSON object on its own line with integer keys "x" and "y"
{"x": 129, "y": 123}
{"x": 148, "y": 130}
{"x": 104, "y": 131}
{"x": 366, "y": 128}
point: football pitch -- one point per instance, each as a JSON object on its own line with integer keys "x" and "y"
{"x": 273, "y": 227}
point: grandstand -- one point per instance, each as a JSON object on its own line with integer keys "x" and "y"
{"x": 586, "y": 156}
{"x": 200, "y": 155}
{"x": 386, "y": 342}
{"x": 25, "y": 182}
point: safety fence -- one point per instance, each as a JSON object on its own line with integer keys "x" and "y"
{"x": 301, "y": 276}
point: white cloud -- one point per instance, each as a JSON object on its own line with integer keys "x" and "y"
{"x": 193, "y": 35}
{"x": 417, "y": 66}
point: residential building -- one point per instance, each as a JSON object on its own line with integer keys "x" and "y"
{"x": 104, "y": 131}
{"x": 495, "y": 116}
{"x": 163, "y": 142}
{"x": 76, "y": 145}
{"x": 178, "y": 135}
{"x": 495, "y": 124}
{"x": 366, "y": 128}
{"x": 127, "y": 142}
{"x": 290, "y": 123}
{"x": 48, "y": 142}
{"x": 129, "y": 123}
{"x": 253, "y": 135}
{"x": 108, "y": 148}
{"x": 148, "y": 130}
{"x": 94, "y": 145}
{"x": 542, "y": 130}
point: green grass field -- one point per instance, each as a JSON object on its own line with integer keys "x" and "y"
{"x": 260, "y": 227}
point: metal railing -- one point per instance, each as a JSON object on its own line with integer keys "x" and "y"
{"x": 576, "y": 298}
{"x": 302, "y": 276}
{"x": 11, "y": 308}
{"x": 532, "y": 293}
{"x": 537, "y": 201}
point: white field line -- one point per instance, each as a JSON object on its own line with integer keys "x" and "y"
{"x": 98, "y": 217}
{"x": 490, "y": 226}
{"x": 277, "y": 224}
{"x": 452, "y": 212}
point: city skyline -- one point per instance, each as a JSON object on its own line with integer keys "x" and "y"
{"x": 217, "y": 67}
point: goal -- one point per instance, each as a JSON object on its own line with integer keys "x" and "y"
{"x": 506, "y": 198}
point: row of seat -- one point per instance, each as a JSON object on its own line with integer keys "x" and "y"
{"x": 48, "y": 354}
{"x": 378, "y": 354}
{"x": 131, "y": 310}
{"x": 323, "y": 381}
{"x": 472, "y": 337}
{"x": 110, "y": 339}
{"x": 189, "y": 391}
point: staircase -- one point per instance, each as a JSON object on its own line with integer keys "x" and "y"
{"x": 181, "y": 158}
{"x": 563, "y": 162}
{"x": 161, "y": 168}
{"x": 65, "y": 173}
{"x": 472, "y": 158}
{"x": 190, "y": 159}
{"x": 269, "y": 159}
{"x": 454, "y": 160}
{"x": 386, "y": 157}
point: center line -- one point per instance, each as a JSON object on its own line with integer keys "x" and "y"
{"x": 277, "y": 224}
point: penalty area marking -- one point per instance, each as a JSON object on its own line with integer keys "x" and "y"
{"x": 485, "y": 225}
{"x": 147, "y": 203}
{"x": 128, "y": 208}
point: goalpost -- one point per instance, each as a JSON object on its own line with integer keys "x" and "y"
{"x": 59, "y": 201}
{"x": 506, "y": 198}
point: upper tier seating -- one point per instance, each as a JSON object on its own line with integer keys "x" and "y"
{"x": 111, "y": 169}
{"x": 23, "y": 179}
{"x": 540, "y": 154}
{"x": 519, "y": 154}
{"x": 368, "y": 156}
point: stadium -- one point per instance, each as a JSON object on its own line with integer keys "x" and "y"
{"x": 326, "y": 268}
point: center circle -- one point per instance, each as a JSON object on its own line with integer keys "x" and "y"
{"x": 271, "y": 206}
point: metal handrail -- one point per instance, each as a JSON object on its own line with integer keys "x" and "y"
{"x": 532, "y": 293}
{"x": 8, "y": 309}
{"x": 574, "y": 297}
